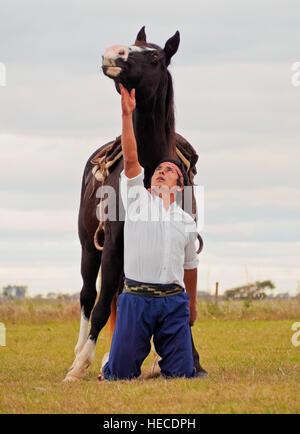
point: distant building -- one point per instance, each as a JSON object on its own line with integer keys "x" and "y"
{"x": 52, "y": 295}
{"x": 14, "y": 291}
{"x": 282, "y": 295}
{"x": 203, "y": 293}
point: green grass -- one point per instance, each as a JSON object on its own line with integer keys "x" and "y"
{"x": 253, "y": 367}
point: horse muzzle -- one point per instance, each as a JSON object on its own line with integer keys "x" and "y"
{"x": 114, "y": 60}
{"x": 111, "y": 71}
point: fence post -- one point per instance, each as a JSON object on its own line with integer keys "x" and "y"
{"x": 217, "y": 292}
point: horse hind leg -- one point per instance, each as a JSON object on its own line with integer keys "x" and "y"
{"x": 200, "y": 372}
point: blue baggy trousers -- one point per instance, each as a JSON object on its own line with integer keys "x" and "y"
{"x": 138, "y": 318}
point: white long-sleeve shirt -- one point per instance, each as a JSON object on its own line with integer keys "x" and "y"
{"x": 158, "y": 243}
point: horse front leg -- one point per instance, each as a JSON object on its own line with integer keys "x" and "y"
{"x": 111, "y": 269}
{"x": 90, "y": 264}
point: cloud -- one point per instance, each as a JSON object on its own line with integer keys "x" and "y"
{"x": 232, "y": 275}
{"x": 234, "y": 103}
{"x": 37, "y": 221}
{"x": 236, "y": 263}
{"x": 42, "y": 280}
{"x": 283, "y": 230}
{"x": 209, "y": 30}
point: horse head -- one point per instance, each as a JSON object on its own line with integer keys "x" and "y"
{"x": 142, "y": 66}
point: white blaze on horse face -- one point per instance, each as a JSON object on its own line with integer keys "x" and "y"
{"x": 119, "y": 52}
{"x": 115, "y": 52}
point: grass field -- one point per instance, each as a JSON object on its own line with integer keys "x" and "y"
{"x": 246, "y": 347}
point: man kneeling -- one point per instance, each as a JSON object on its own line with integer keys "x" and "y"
{"x": 160, "y": 263}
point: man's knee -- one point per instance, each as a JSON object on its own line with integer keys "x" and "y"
{"x": 119, "y": 371}
{"x": 191, "y": 373}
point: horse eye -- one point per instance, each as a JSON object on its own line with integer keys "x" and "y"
{"x": 155, "y": 58}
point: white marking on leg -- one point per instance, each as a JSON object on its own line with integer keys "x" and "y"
{"x": 83, "y": 333}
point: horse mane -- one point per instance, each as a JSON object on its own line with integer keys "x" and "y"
{"x": 170, "y": 116}
{"x": 169, "y": 112}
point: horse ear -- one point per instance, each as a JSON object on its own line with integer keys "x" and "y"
{"x": 141, "y": 36}
{"x": 172, "y": 46}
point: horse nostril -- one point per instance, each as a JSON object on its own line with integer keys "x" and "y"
{"x": 121, "y": 52}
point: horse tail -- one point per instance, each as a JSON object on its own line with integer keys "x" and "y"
{"x": 113, "y": 315}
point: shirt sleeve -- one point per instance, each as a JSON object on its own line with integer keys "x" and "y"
{"x": 133, "y": 193}
{"x": 191, "y": 260}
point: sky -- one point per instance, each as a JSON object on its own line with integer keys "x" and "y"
{"x": 236, "y": 103}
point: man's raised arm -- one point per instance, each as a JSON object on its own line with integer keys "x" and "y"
{"x": 131, "y": 163}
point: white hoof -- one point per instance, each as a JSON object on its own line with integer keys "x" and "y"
{"x": 81, "y": 363}
{"x": 103, "y": 363}
{"x": 70, "y": 379}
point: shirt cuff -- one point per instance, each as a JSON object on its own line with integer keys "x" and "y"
{"x": 136, "y": 180}
{"x": 192, "y": 264}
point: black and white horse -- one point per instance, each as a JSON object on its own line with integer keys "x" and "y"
{"x": 142, "y": 66}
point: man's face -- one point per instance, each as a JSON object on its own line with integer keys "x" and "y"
{"x": 164, "y": 176}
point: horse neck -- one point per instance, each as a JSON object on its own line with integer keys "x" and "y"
{"x": 149, "y": 121}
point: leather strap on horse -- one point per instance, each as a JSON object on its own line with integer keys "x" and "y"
{"x": 110, "y": 153}
{"x": 183, "y": 159}
{"x": 99, "y": 234}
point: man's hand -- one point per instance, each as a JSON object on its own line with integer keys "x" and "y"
{"x": 193, "y": 313}
{"x": 127, "y": 100}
